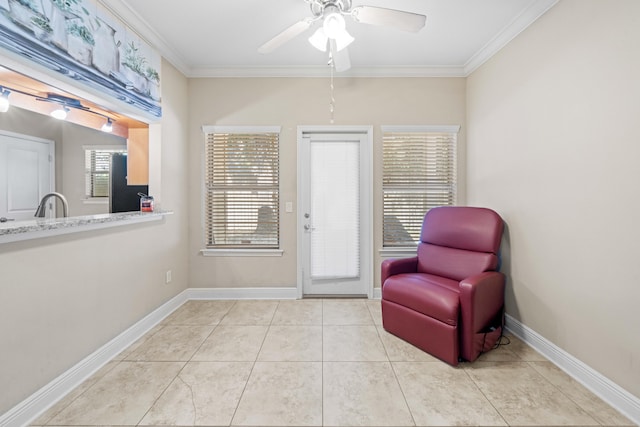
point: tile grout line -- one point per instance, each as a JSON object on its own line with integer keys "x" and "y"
{"x": 485, "y": 396}
{"x": 254, "y": 363}
{"x": 182, "y": 369}
{"x": 530, "y": 364}
{"x": 395, "y": 375}
{"x": 393, "y": 369}
{"x": 78, "y": 396}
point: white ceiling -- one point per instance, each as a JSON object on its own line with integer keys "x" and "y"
{"x": 209, "y": 38}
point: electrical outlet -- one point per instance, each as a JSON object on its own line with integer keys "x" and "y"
{"x": 167, "y": 278}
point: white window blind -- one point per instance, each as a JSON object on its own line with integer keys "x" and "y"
{"x": 97, "y": 164}
{"x": 242, "y": 190}
{"x": 335, "y": 182}
{"x": 419, "y": 173}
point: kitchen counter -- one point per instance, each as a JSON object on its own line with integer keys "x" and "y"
{"x": 14, "y": 231}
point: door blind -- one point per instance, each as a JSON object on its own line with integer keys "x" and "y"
{"x": 242, "y": 190}
{"x": 335, "y": 209}
{"x": 419, "y": 173}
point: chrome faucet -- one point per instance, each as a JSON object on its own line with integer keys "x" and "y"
{"x": 43, "y": 204}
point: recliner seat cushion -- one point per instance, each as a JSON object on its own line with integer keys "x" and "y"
{"x": 433, "y": 296}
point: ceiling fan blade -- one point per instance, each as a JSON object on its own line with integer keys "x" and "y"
{"x": 286, "y": 35}
{"x": 406, "y": 21}
{"x": 341, "y": 59}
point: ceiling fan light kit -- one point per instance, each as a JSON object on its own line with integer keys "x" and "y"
{"x": 320, "y": 40}
{"x": 332, "y": 36}
{"x": 333, "y": 23}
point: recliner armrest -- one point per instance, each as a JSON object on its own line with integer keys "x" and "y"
{"x": 391, "y": 267}
{"x": 481, "y": 300}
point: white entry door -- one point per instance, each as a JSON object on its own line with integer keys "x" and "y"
{"x": 334, "y": 215}
{"x": 26, "y": 174}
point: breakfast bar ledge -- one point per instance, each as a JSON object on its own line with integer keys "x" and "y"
{"x": 38, "y": 228}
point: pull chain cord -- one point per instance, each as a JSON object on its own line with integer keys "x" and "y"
{"x": 332, "y": 100}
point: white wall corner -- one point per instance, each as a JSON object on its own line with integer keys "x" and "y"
{"x": 607, "y": 390}
{"x": 536, "y": 9}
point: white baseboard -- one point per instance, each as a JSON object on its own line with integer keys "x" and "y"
{"x": 36, "y": 404}
{"x": 607, "y": 390}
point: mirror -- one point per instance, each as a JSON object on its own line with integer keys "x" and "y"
{"x": 78, "y": 161}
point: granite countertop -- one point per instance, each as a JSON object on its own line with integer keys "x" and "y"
{"x": 36, "y": 228}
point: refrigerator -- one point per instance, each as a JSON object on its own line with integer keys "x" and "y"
{"x": 123, "y": 197}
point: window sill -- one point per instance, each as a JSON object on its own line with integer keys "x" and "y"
{"x": 398, "y": 252}
{"x": 242, "y": 252}
{"x": 96, "y": 201}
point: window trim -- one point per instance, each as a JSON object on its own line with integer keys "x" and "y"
{"x": 421, "y": 128}
{"x": 233, "y": 252}
{"x": 405, "y": 251}
{"x": 242, "y": 252}
{"x": 94, "y": 200}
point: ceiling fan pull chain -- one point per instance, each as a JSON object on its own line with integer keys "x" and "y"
{"x": 332, "y": 102}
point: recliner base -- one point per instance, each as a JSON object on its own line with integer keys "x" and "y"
{"x": 428, "y": 334}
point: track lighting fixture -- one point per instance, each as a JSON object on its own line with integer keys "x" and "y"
{"x": 108, "y": 126}
{"x": 60, "y": 113}
{"x": 4, "y": 100}
{"x": 62, "y": 105}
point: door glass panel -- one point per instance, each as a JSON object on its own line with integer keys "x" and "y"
{"x": 335, "y": 209}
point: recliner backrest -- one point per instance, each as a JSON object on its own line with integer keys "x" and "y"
{"x": 459, "y": 241}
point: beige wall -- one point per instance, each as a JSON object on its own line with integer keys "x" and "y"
{"x": 63, "y": 297}
{"x": 553, "y": 146}
{"x": 289, "y": 103}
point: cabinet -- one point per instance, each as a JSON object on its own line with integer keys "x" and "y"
{"x": 138, "y": 156}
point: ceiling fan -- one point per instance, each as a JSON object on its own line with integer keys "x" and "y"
{"x": 333, "y": 37}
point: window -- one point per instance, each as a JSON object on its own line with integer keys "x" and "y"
{"x": 419, "y": 173}
{"x": 97, "y": 163}
{"x": 242, "y": 205}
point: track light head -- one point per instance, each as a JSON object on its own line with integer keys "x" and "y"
{"x": 60, "y": 113}
{"x": 108, "y": 126}
{"x": 4, "y": 100}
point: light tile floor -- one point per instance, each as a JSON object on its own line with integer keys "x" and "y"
{"x": 316, "y": 363}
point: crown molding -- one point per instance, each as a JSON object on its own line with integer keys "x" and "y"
{"x": 141, "y": 27}
{"x": 401, "y": 71}
{"x": 535, "y": 10}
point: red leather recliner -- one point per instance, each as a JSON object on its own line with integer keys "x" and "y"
{"x": 449, "y": 299}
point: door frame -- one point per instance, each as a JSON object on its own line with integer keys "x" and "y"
{"x": 366, "y": 215}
